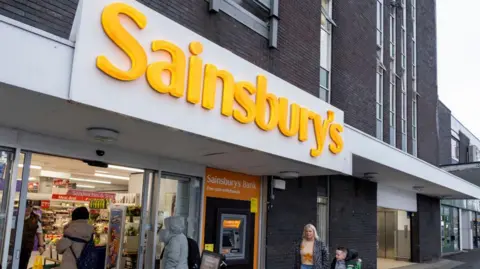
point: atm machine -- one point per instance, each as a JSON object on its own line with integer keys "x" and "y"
{"x": 230, "y": 227}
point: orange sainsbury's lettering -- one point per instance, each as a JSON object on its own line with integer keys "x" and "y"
{"x": 115, "y": 31}
{"x": 320, "y": 127}
{"x": 243, "y": 90}
{"x": 190, "y": 78}
{"x": 337, "y": 141}
{"x": 264, "y": 100}
{"x": 176, "y": 68}
{"x": 284, "y": 121}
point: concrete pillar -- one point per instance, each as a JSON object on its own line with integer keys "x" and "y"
{"x": 45, "y": 185}
{"x": 181, "y": 200}
{"x": 135, "y": 184}
{"x": 466, "y": 232}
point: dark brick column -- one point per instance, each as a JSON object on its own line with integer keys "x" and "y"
{"x": 464, "y": 143}
{"x": 426, "y": 239}
{"x": 353, "y": 217}
{"x": 292, "y": 209}
{"x": 427, "y": 81}
{"x": 444, "y": 118}
{"x": 354, "y": 62}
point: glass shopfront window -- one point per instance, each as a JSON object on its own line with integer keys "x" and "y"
{"x": 6, "y": 163}
{"x": 450, "y": 229}
{"x": 127, "y": 207}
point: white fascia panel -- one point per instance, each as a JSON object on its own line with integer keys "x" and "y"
{"x": 34, "y": 60}
{"x": 365, "y": 146}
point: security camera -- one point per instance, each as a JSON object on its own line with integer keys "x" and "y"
{"x": 100, "y": 152}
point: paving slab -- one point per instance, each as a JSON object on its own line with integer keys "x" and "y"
{"x": 442, "y": 264}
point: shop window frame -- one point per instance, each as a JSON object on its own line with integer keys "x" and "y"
{"x": 267, "y": 29}
{"x": 21, "y": 206}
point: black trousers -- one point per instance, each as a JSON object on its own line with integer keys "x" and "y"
{"x": 25, "y": 255}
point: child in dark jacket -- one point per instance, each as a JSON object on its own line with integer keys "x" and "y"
{"x": 346, "y": 259}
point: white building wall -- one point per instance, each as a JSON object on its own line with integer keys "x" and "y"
{"x": 391, "y": 197}
{"x": 466, "y": 232}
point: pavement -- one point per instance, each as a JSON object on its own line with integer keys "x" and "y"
{"x": 464, "y": 260}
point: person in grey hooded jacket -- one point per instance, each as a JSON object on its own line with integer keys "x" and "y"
{"x": 175, "y": 255}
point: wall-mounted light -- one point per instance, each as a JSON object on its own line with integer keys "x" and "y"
{"x": 111, "y": 176}
{"x": 418, "y": 188}
{"x": 85, "y": 186}
{"x": 90, "y": 180}
{"x": 38, "y": 167}
{"x": 125, "y": 168}
{"x": 289, "y": 175}
{"x": 103, "y": 135}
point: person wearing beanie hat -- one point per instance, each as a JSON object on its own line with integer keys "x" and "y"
{"x": 78, "y": 228}
{"x": 80, "y": 213}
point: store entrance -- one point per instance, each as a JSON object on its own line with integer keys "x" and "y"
{"x": 476, "y": 229}
{"x": 393, "y": 238}
{"x": 127, "y": 208}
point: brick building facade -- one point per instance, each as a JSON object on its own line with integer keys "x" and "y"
{"x": 296, "y": 58}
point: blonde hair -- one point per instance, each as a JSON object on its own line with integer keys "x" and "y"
{"x": 311, "y": 227}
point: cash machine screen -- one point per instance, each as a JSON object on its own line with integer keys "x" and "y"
{"x": 233, "y": 236}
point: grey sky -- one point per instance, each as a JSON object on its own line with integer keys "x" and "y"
{"x": 459, "y": 59}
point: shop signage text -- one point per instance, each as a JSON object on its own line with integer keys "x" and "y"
{"x": 229, "y": 185}
{"x": 245, "y": 101}
{"x": 230, "y": 182}
{"x": 74, "y": 195}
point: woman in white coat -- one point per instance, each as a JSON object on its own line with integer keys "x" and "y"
{"x": 175, "y": 254}
{"x": 77, "y": 228}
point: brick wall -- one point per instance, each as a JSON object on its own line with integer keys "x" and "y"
{"x": 427, "y": 81}
{"x": 292, "y": 209}
{"x": 426, "y": 238}
{"x": 353, "y": 217}
{"x": 297, "y": 58}
{"x": 444, "y": 117}
{"x": 354, "y": 63}
{"x": 53, "y": 16}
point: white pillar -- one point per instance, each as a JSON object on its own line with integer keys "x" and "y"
{"x": 461, "y": 231}
{"x": 181, "y": 200}
{"x": 45, "y": 185}
{"x": 135, "y": 184}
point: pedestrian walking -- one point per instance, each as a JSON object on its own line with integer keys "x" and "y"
{"x": 311, "y": 252}
{"x": 32, "y": 228}
{"x": 175, "y": 253}
{"x": 70, "y": 246}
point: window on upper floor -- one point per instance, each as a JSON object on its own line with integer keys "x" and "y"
{"x": 259, "y": 15}
{"x": 326, "y": 22}
{"x": 414, "y": 125}
{"x": 379, "y": 103}
{"x": 380, "y": 70}
{"x": 414, "y": 79}
{"x": 403, "y": 64}
{"x": 380, "y": 29}
{"x": 455, "y": 150}
{"x": 393, "y": 75}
